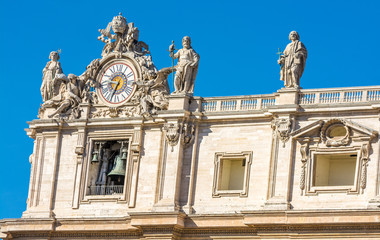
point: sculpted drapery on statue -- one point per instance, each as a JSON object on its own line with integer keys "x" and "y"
{"x": 293, "y": 61}
{"x": 186, "y": 68}
{"x": 67, "y": 99}
{"x": 52, "y": 68}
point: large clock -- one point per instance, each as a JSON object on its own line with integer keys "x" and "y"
{"x": 117, "y": 83}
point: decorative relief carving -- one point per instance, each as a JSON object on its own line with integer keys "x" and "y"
{"x": 188, "y": 133}
{"x": 112, "y": 112}
{"x": 364, "y": 159}
{"x": 172, "y": 133}
{"x": 281, "y": 126}
{"x": 79, "y": 149}
{"x": 335, "y": 132}
{"x": 125, "y": 39}
{"x": 304, "y": 158}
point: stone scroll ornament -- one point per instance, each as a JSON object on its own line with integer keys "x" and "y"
{"x": 292, "y": 61}
{"x": 186, "y": 68}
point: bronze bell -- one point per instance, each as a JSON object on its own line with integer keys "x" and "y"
{"x": 95, "y": 157}
{"x": 119, "y": 168}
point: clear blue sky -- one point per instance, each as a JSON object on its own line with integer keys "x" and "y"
{"x": 236, "y": 40}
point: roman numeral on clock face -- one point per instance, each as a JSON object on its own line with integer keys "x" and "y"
{"x": 128, "y": 90}
{"x": 119, "y": 67}
{"x": 107, "y": 95}
{"x": 129, "y": 75}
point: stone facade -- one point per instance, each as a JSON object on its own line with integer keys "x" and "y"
{"x": 300, "y": 164}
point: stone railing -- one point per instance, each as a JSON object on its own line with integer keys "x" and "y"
{"x": 238, "y": 103}
{"x": 306, "y": 96}
{"x": 339, "y": 95}
{"x": 105, "y": 190}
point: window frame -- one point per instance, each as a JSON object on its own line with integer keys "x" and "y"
{"x": 349, "y": 189}
{"x": 219, "y": 157}
{"x": 119, "y": 198}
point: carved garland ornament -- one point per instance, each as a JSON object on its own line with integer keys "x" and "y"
{"x": 304, "y": 158}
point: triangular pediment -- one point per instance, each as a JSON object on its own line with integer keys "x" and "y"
{"x": 314, "y": 129}
{"x": 308, "y": 130}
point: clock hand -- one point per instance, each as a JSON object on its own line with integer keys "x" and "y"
{"x": 114, "y": 89}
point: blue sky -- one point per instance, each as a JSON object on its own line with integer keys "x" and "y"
{"x": 237, "y": 42}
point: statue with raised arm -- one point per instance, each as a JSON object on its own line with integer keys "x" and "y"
{"x": 52, "y": 68}
{"x": 293, "y": 61}
{"x": 186, "y": 68}
{"x": 154, "y": 92}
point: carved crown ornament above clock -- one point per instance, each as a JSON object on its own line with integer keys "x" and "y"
{"x": 123, "y": 83}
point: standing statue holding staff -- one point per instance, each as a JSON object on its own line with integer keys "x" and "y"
{"x": 293, "y": 61}
{"x": 186, "y": 68}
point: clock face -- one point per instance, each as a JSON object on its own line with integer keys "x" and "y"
{"x": 117, "y": 83}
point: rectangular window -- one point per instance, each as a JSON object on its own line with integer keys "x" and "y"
{"x": 231, "y": 174}
{"x": 334, "y": 169}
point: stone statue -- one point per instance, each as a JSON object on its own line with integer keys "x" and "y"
{"x": 52, "y": 68}
{"x": 67, "y": 99}
{"x": 87, "y": 83}
{"x": 125, "y": 39}
{"x": 154, "y": 93}
{"x": 293, "y": 61}
{"x": 186, "y": 68}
